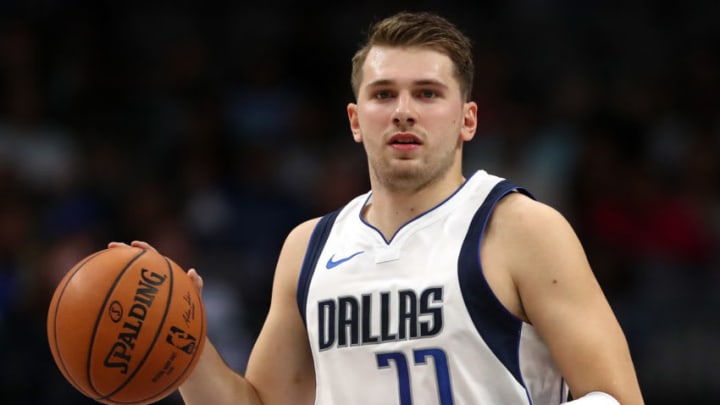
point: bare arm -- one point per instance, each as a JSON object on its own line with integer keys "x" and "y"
{"x": 548, "y": 282}
{"x": 281, "y": 365}
{"x": 213, "y": 382}
{"x": 280, "y": 369}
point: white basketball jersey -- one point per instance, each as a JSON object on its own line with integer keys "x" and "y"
{"x": 412, "y": 320}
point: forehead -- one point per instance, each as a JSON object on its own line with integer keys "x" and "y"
{"x": 410, "y": 64}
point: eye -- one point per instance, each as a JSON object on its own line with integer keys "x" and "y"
{"x": 427, "y": 93}
{"x": 382, "y": 94}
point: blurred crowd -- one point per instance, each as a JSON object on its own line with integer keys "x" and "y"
{"x": 210, "y": 129}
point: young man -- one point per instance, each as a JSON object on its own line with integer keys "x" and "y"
{"x": 432, "y": 288}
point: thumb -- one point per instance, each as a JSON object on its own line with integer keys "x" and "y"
{"x": 196, "y": 280}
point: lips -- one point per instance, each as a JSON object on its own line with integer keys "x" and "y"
{"x": 404, "y": 139}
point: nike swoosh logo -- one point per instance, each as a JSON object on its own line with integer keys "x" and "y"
{"x": 334, "y": 263}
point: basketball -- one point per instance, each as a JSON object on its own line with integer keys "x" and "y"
{"x": 126, "y": 326}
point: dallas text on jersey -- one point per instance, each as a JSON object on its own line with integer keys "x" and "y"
{"x": 348, "y": 320}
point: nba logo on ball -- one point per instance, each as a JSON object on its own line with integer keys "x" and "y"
{"x": 126, "y": 325}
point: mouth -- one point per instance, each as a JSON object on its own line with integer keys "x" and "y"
{"x": 404, "y": 139}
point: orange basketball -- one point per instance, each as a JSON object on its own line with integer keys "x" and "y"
{"x": 126, "y": 326}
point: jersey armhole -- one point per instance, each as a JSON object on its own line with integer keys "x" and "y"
{"x": 312, "y": 255}
{"x": 491, "y": 319}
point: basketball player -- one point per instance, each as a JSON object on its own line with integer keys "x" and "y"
{"x": 434, "y": 287}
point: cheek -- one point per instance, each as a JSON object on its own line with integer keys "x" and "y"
{"x": 371, "y": 118}
{"x": 444, "y": 122}
{"x": 373, "y": 111}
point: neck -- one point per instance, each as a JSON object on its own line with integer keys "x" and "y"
{"x": 390, "y": 209}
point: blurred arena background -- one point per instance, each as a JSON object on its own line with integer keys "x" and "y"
{"x": 211, "y": 128}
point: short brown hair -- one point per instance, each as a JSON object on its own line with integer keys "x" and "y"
{"x": 420, "y": 29}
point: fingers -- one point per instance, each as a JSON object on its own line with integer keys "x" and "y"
{"x": 136, "y": 243}
{"x": 192, "y": 273}
{"x": 117, "y": 244}
{"x": 142, "y": 244}
{"x": 196, "y": 279}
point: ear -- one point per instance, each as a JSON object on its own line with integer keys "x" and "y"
{"x": 354, "y": 122}
{"x": 467, "y": 132}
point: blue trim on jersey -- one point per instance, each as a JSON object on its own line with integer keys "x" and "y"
{"x": 499, "y": 328}
{"x": 312, "y": 255}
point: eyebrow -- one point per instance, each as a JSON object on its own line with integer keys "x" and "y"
{"x": 422, "y": 82}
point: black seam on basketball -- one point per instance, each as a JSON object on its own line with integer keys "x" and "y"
{"x": 149, "y": 349}
{"x": 61, "y": 362}
{"x": 97, "y": 323}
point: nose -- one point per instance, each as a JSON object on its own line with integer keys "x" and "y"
{"x": 405, "y": 112}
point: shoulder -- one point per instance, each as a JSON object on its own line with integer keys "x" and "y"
{"x": 532, "y": 232}
{"x": 298, "y": 238}
{"x": 291, "y": 257}
{"x": 304, "y": 229}
{"x": 525, "y": 220}
{"x": 529, "y": 245}
{"x": 543, "y": 255}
